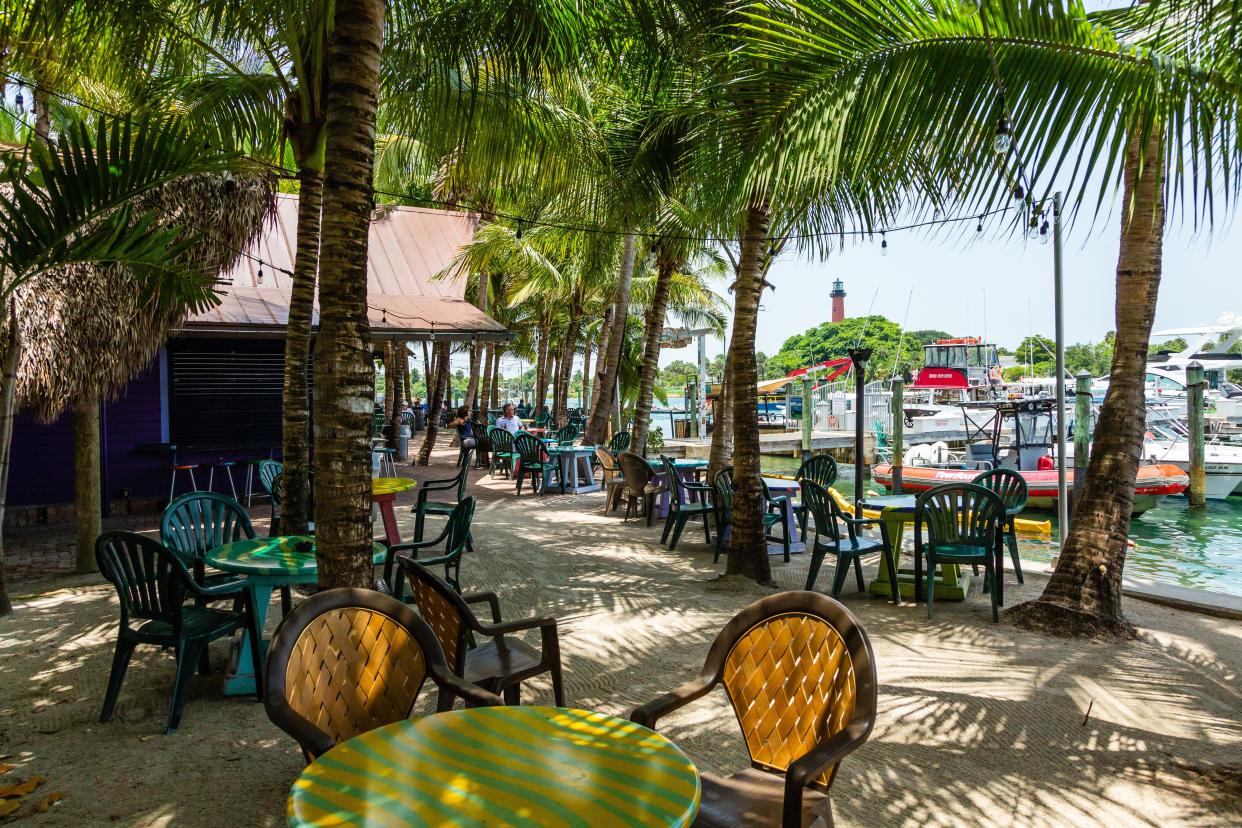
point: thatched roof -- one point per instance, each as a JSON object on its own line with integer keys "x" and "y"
{"x": 86, "y": 330}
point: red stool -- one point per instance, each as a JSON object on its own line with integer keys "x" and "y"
{"x": 185, "y": 467}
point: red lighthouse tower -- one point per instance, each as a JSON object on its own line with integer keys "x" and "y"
{"x": 838, "y": 300}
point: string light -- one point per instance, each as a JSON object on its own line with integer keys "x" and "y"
{"x": 1002, "y": 142}
{"x": 259, "y": 279}
{"x": 883, "y": 244}
{"x": 979, "y": 226}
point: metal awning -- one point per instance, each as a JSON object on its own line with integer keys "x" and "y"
{"x": 408, "y": 246}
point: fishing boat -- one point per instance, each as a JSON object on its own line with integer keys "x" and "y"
{"x": 955, "y": 371}
{"x": 1028, "y": 450}
{"x": 1168, "y": 442}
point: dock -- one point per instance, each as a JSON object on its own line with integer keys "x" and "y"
{"x": 837, "y": 442}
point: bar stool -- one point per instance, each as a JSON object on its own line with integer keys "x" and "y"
{"x": 227, "y": 465}
{"x": 185, "y": 467}
{"x": 386, "y": 460}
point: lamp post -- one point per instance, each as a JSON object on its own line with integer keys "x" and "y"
{"x": 859, "y": 357}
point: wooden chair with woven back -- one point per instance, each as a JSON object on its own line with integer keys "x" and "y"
{"x": 613, "y": 479}
{"x": 637, "y": 485}
{"x": 346, "y": 661}
{"x": 504, "y": 662}
{"x": 799, "y": 672}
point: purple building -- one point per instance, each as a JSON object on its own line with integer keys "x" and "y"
{"x": 213, "y": 392}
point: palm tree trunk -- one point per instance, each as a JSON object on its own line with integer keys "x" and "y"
{"x": 485, "y": 383}
{"x": 722, "y": 428}
{"x": 565, "y": 369}
{"x": 651, "y": 349}
{"x": 428, "y": 375}
{"x": 597, "y": 428}
{"x": 494, "y": 393}
{"x": 390, "y": 371}
{"x": 586, "y": 376}
{"x": 477, "y": 353}
{"x": 748, "y": 549}
{"x": 8, "y": 408}
{"x": 87, "y": 501}
{"x": 435, "y": 401}
{"x": 1084, "y": 593}
{"x": 601, "y": 349}
{"x": 541, "y": 370}
{"x": 295, "y": 393}
{"x": 344, "y": 372}
{"x": 403, "y": 365}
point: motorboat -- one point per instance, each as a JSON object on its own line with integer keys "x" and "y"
{"x": 1168, "y": 442}
{"x": 955, "y": 371}
{"x": 1027, "y": 447}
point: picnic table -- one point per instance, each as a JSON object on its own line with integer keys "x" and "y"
{"x": 384, "y": 492}
{"x": 266, "y": 563}
{"x": 951, "y": 583}
{"x": 523, "y": 766}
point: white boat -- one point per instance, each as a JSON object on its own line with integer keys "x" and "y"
{"x": 1222, "y": 464}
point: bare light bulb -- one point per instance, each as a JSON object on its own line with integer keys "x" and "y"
{"x": 883, "y": 244}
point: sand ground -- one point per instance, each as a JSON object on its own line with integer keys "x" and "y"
{"x": 979, "y": 723}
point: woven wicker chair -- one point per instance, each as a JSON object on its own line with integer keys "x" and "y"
{"x": 502, "y": 664}
{"x": 613, "y": 479}
{"x": 346, "y": 661}
{"x": 800, "y": 674}
{"x": 637, "y": 486}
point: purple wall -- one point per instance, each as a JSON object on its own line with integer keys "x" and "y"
{"x": 134, "y": 425}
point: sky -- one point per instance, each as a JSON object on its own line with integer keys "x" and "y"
{"x": 953, "y": 275}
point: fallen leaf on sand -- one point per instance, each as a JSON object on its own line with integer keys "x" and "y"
{"x": 21, "y": 788}
{"x": 8, "y": 806}
{"x": 5, "y": 767}
{"x": 48, "y": 800}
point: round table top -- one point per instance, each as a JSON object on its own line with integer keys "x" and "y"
{"x": 559, "y": 448}
{"x": 780, "y": 484}
{"x": 281, "y": 555}
{"x": 391, "y": 485}
{"x": 528, "y": 766}
{"x": 897, "y": 502}
{"x": 681, "y": 463}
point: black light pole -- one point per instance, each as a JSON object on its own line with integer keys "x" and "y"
{"x": 859, "y": 357}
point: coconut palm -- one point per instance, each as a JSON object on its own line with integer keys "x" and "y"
{"x": 111, "y": 217}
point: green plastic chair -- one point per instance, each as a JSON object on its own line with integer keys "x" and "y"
{"x": 567, "y": 435}
{"x": 503, "y": 454}
{"x": 531, "y": 462}
{"x": 1010, "y": 487}
{"x": 620, "y": 442}
{"x": 198, "y": 522}
{"x": 269, "y": 470}
{"x": 821, "y": 469}
{"x": 543, "y": 419}
{"x": 455, "y": 484}
{"x": 846, "y": 549}
{"x": 153, "y": 584}
{"x": 456, "y": 540}
{"x": 680, "y": 509}
{"x": 722, "y": 503}
{"x": 963, "y": 525}
{"x": 783, "y": 508}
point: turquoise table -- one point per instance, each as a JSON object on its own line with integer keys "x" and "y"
{"x": 494, "y": 766}
{"x": 267, "y": 563}
{"x": 686, "y": 468}
{"x": 950, "y": 583}
{"x": 576, "y": 474}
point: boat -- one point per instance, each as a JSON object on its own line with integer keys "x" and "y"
{"x": 1167, "y": 442}
{"x": 955, "y": 371}
{"x": 1029, "y": 450}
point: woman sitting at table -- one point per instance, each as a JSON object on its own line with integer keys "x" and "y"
{"x": 465, "y": 428}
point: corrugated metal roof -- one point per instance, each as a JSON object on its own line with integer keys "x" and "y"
{"x": 408, "y": 246}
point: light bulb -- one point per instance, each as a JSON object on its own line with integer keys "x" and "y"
{"x": 1002, "y": 142}
{"x": 1044, "y": 235}
{"x": 979, "y": 226}
{"x": 259, "y": 278}
{"x": 883, "y": 244}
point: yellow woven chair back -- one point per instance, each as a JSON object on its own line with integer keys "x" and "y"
{"x": 791, "y": 682}
{"x": 443, "y": 618}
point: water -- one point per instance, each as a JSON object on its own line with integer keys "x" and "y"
{"x": 1173, "y": 544}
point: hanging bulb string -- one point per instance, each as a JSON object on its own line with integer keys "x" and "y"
{"x": 524, "y": 222}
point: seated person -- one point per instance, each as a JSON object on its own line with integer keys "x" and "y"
{"x": 465, "y": 428}
{"x": 509, "y": 420}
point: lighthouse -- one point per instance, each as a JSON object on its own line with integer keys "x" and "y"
{"x": 838, "y": 300}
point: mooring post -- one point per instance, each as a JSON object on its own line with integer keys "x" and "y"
{"x": 899, "y": 425}
{"x": 808, "y": 417}
{"x": 1082, "y": 427}
{"x": 1194, "y": 417}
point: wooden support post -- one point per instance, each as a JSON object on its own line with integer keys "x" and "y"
{"x": 1082, "y": 426}
{"x": 808, "y": 417}
{"x": 1194, "y": 417}
{"x": 899, "y": 425}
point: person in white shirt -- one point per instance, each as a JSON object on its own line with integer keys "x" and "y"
{"x": 509, "y": 421}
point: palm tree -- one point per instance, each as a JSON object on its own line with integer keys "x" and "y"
{"x": 101, "y": 201}
{"x": 344, "y": 375}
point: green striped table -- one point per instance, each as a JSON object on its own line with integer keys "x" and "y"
{"x": 522, "y": 766}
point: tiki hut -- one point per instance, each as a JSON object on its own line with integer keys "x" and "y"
{"x": 212, "y": 392}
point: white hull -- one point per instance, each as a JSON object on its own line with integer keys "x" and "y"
{"x": 1222, "y": 465}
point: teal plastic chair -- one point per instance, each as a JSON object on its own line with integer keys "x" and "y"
{"x": 567, "y": 435}
{"x": 455, "y": 485}
{"x": 153, "y": 584}
{"x": 722, "y": 504}
{"x": 960, "y": 523}
{"x": 1011, "y": 488}
{"x": 456, "y": 540}
{"x": 779, "y": 508}
{"x": 821, "y": 469}
{"x": 620, "y": 442}
{"x": 847, "y": 549}
{"x": 269, "y": 472}
{"x": 680, "y": 509}
{"x": 531, "y": 462}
